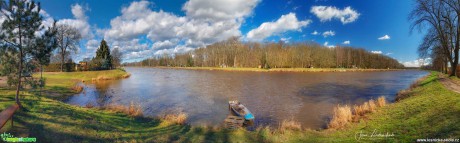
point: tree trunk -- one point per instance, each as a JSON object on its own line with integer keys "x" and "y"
{"x": 19, "y": 78}
{"x": 445, "y": 66}
{"x": 41, "y": 79}
{"x": 62, "y": 61}
{"x": 454, "y": 64}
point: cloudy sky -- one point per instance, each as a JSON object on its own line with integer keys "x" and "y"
{"x": 142, "y": 29}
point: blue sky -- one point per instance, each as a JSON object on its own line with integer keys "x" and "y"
{"x": 142, "y": 29}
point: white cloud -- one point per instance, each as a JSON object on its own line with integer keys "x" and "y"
{"x": 314, "y": 33}
{"x": 328, "y": 33}
{"x": 326, "y": 13}
{"x": 388, "y": 54}
{"x": 346, "y": 42}
{"x": 80, "y": 22}
{"x": 285, "y": 23}
{"x": 177, "y": 49}
{"x": 92, "y": 44}
{"x": 130, "y": 45}
{"x": 326, "y": 44}
{"x": 385, "y": 37}
{"x": 376, "y": 52}
{"x": 205, "y": 22}
{"x": 78, "y": 12}
{"x": 167, "y": 44}
{"x": 285, "y": 40}
{"x": 417, "y": 62}
{"x": 219, "y": 10}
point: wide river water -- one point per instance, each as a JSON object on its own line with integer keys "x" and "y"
{"x": 271, "y": 96}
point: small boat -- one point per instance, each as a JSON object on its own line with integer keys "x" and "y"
{"x": 240, "y": 110}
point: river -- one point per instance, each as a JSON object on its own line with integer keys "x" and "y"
{"x": 272, "y": 96}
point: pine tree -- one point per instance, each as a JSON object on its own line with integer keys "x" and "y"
{"x": 103, "y": 55}
{"x": 23, "y": 20}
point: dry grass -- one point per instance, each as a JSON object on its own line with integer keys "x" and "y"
{"x": 131, "y": 110}
{"x": 358, "y": 110}
{"x": 290, "y": 124}
{"x": 77, "y": 88}
{"x": 381, "y": 101}
{"x": 372, "y": 105}
{"x": 179, "y": 118}
{"x": 341, "y": 116}
{"x": 126, "y": 75}
{"x": 368, "y": 107}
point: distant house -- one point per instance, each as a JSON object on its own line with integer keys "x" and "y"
{"x": 81, "y": 66}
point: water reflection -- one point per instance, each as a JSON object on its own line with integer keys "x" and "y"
{"x": 271, "y": 97}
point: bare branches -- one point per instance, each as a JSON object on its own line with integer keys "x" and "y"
{"x": 441, "y": 18}
{"x": 68, "y": 38}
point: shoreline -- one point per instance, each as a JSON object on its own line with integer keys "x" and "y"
{"x": 230, "y": 69}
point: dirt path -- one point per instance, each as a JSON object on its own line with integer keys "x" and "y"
{"x": 449, "y": 84}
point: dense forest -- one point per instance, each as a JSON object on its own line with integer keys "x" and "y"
{"x": 233, "y": 53}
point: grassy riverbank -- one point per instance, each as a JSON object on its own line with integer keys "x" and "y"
{"x": 61, "y": 84}
{"x": 281, "y": 69}
{"x": 431, "y": 111}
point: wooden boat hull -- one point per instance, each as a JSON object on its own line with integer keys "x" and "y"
{"x": 240, "y": 110}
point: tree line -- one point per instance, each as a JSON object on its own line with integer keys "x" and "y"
{"x": 233, "y": 53}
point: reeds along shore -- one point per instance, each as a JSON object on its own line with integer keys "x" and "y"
{"x": 343, "y": 114}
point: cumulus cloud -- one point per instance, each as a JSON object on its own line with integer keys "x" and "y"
{"x": 167, "y": 44}
{"x": 79, "y": 22}
{"x": 92, "y": 44}
{"x": 328, "y": 33}
{"x": 285, "y": 23}
{"x": 417, "y": 62}
{"x": 326, "y": 44}
{"x": 219, "y": 10}
{"x": 376, "y": 52}
{"x": 205, "y": 22}
{"x": 346, "y": 42}
{"x": 314, "y": 33}
{"x": 385, "y": 37}
{"x": 285, "y": 40}
{"x": 327, "y": 13}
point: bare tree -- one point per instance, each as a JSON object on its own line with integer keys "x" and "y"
{"x": 441, "y": 16}
{"x": 116, "y": 57}
{"x": 68, "y": 38}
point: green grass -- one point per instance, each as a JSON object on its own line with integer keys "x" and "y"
{"x": 430, "y": 112}
{"x": 59, "y": 84}
{"x": 281, "y": 69}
